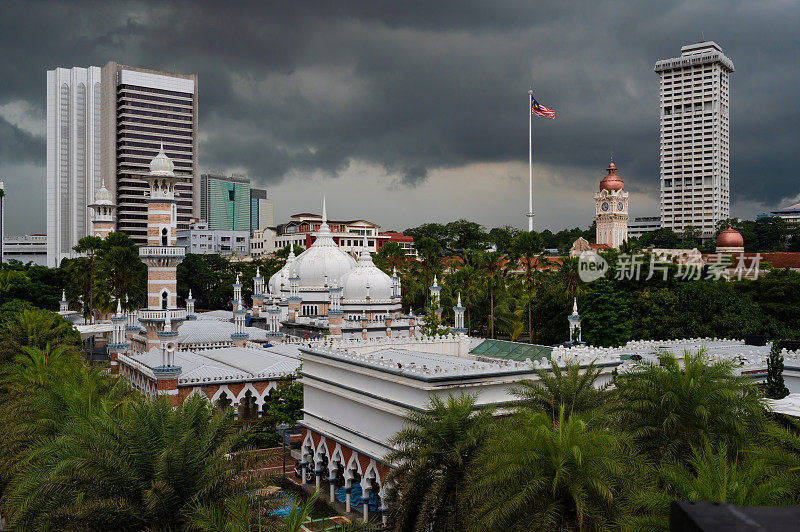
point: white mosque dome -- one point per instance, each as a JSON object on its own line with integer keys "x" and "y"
{"x": 323, "y": 260}
{"x": 161, "y": 164}
{"x": 103, "y": 196}
{"x": 355, "y": 282}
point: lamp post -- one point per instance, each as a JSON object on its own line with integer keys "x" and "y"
{"x": 282, "y": 430}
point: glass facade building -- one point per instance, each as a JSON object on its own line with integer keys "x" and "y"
{"x": 225, "y": 202}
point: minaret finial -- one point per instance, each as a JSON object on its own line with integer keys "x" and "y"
{"x": 190, "y": 293}
{"x": 459, "y": 300}
{"x": 575, "y": 305}
{"x": 119, "y": 307}
{"x": 63, "y": 295}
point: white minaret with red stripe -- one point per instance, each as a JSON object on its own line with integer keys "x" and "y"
{"x": 161, "y": 254}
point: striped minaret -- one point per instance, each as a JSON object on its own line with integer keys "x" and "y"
{"x": 161, "y": 255}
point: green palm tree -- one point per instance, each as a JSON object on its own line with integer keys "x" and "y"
{"x": 41, "y": 391}
{"x": 570, "y": 386}
{"x": 569, "y": 279}
{"x": 669, "y": 407}
{"x": 431, "y": 458}
{"x": 529, "y": 247}
{"x": 551, "y": 474}
{"x": 710, "y": 474}
{"x": 148, "y": 467}
{"x": 493, "y": 268}
{"x": 37, "y": 328}
{"x": 90, "y": 246}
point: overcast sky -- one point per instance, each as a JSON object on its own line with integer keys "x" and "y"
{"x": 407, "y": 112}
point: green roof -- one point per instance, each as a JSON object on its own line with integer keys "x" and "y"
{"x": 512, "y": 350}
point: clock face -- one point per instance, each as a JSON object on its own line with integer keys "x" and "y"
{"x": 604, "y": 206}
{"x": 619, "y": 206}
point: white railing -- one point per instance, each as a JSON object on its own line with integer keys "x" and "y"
{"x": 158, "y": 314}
{"x": 162, "y": 251}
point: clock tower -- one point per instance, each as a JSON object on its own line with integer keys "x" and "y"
{"x": 611, "y": 210}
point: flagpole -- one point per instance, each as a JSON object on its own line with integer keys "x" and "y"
{"x": 530, "y": 161}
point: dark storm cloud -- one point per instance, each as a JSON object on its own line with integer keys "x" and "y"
{"x": 300, "y": 87}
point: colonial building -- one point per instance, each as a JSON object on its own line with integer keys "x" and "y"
{"x": 611, "y": 210}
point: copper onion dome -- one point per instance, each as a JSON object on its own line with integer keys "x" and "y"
{"x": 612, "y": 180}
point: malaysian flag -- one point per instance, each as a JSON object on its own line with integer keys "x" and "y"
{"x": 540, "y": 110}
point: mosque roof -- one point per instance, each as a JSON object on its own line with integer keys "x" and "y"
{"x": 426, "y": 366}
{"x": 224, "y": 364}
{"x": 209, "y": 331}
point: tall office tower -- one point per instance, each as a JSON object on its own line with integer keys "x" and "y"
{"x": 145, "y": 109}
{"x": 695, "y": 143}
{"x": 225, "y": 201}
{"x": 73, "y": 156}
{"x": 262, "y": 210}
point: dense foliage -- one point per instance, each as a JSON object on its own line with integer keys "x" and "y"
{"x": 578, "y": 456}
{"x": 82, "y": 450}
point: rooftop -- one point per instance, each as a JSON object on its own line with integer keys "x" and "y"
{"x": 223, "y": 364}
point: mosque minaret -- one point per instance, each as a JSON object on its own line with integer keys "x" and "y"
{"x": 161, "y": 255}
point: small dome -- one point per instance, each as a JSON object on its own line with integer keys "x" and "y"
{"x": 281, "y": 276}
{"x": 103, "y": 196}
{"x": 730, "y": 238}
{"x": 611, "y": 182}
{"x": 161, "y": 164}
{"x": 366, "y": 274}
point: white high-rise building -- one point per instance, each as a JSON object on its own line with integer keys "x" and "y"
{"x": 695, "y": 142}
{"x": 73, "y": 156}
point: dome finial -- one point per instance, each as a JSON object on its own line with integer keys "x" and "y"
{"x": 162, "y": 165}
{"x": 324, "y": 212}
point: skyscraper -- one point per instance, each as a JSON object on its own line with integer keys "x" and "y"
{"x": 73, "y": 156}
{"x": 695, "y": 143}
{"x": 262, "y": 210}
{"x": 144, "y": 109}
{"x": 225, "y": 201}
